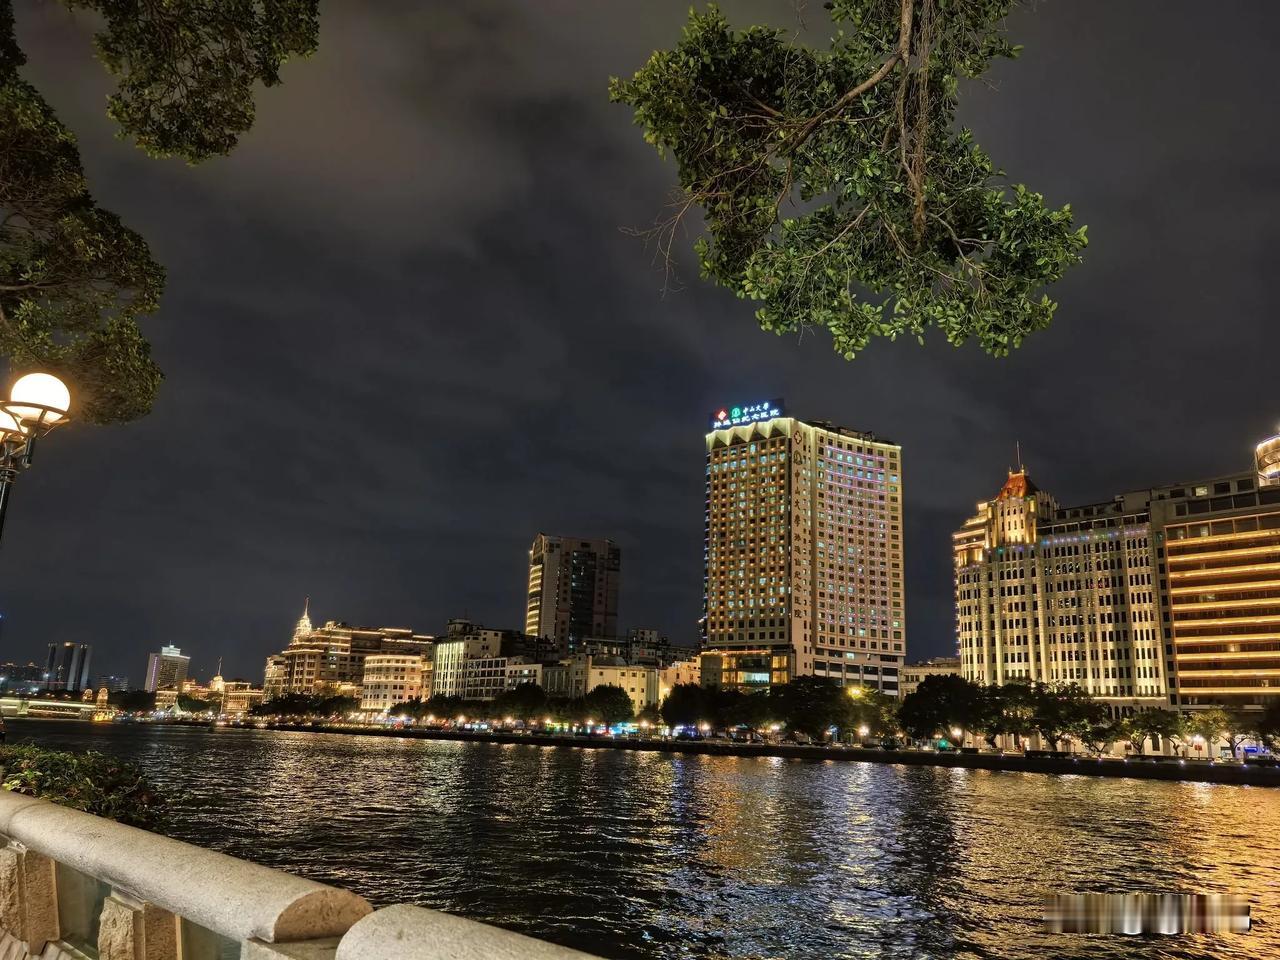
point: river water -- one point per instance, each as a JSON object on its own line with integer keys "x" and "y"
{"x": 630, "y": 854}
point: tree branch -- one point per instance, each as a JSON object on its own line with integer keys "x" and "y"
{"x": 901, "y": 55}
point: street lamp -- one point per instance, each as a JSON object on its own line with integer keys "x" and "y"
{"x": 37, "y": 403}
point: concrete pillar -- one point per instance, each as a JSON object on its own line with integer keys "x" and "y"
{"x": 28, "y": 902}
{"x": 302, "y": 950}
{"x": 131, "y": 931}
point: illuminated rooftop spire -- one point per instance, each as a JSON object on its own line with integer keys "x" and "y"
{"x": 304, "y": 622}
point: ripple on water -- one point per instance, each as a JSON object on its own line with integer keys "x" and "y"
{"x": 655, "y": 855}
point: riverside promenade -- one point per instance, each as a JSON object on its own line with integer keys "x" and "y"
{"x": 1150, "y": 768}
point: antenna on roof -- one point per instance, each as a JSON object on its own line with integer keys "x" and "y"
{"x": 1017, "y": 446}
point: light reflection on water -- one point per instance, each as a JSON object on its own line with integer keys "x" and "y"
{"x": 643, "y": 855}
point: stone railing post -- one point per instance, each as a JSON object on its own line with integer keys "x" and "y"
{"x": 301, "y": 950}
{"x": 28, "y": 897}
{"x": 129, "y": 930}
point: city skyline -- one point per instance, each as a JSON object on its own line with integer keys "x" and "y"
{"x": 205, "y": 523}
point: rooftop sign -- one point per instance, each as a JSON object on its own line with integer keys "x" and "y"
{"x": 726, "y": 417}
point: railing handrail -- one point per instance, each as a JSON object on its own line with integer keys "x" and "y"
{"x": 231, "y": 897}
{"x": 405, "y": 932}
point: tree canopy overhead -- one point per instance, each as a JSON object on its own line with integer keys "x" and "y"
{"x": 74, "y": 281}
{"x": 835, "y": 187}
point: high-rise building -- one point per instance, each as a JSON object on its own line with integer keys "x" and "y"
{"x": 803, "y": 551}
{"x": 1167, "y": 596}
{"x": 112, "y": 683}
{"x": 1219, "y": 566}
{"x": 67, "y": 666}
{"x": 166, "y": 670}
{"x": 573, "y": 590}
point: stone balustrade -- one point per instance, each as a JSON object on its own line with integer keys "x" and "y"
{"x": 73, "y": 885}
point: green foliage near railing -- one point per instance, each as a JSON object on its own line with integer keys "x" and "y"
{"x": 93, "y": 782}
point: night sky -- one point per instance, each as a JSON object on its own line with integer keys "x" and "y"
{"x": 404, "y": 330}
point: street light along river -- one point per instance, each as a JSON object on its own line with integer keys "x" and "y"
{"x": 667, "y": 855}
{"x": 37, "y": 403}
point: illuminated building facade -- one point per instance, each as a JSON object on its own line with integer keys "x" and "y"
{"x": 1220, "y": 579}
{"x": 1060, "y": 595}
{"x": 485, "y": 678}
{"x": 273, "y": 677}
{"x": 166, "y": 670}
{"x": 239, "y": 696}
{"x": 578, "y": 675}
{"x": 677, "y": 673}
{"x": 464, "y": 641}
{"x": 329, "y": 660}
{"x": 478, "y": 663}
{"x": 1168, "y": 596}
{"x": 573, "y": 590}
{"x": 803, "y": 552}
{"x": 389, "y": 679}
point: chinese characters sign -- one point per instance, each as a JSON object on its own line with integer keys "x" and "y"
{"x": 726, "y": 417}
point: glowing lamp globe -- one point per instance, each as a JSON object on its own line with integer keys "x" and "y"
{"x": 10, "y": 426}
{"x": 44, "y": 391}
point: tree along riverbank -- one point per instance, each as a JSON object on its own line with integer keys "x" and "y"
{"x": 1148, "y": 768}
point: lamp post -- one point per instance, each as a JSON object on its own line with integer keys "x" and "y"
{"x": 37, "y": 403}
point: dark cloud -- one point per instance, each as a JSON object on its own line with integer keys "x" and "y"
{"x": 404, "y": 332}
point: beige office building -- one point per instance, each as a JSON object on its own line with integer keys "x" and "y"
{"x": 1168, "y": 596}
{"x": 579, "y": 675}
{"x": 1060, "y": 595}
{"x": 804, "y": 552}
{"x": 390, "y": 679}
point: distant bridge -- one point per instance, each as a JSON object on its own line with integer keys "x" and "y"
{"x": 33, "y": 707}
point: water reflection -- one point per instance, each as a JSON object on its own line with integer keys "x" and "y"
{"x": 644, "y": 855}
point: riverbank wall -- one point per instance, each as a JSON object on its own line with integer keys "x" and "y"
{"x": 1166, "y": 768}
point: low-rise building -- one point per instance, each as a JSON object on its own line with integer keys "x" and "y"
{"x": 329, "y": 661}
{"x": 577, "y": 676}
{"x": 240, "y": 696}
{"x": 390, "y": 679}
{"x": 677, "y": 673}
{"x": 478, "y": 663}
{"x": 520, "y": 670}
{"x": 913, "y": 673}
